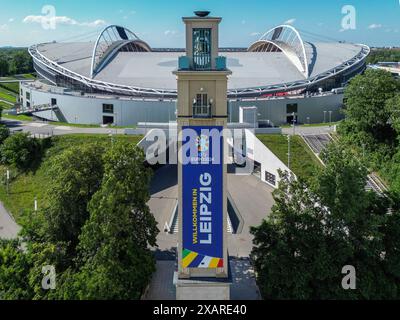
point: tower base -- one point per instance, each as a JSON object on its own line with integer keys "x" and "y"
{"x": 202, "y": 289}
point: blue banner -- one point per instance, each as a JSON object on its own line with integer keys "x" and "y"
{"x": 202, "y": 184}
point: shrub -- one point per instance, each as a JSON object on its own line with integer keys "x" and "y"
{"x": 20, "y": 151}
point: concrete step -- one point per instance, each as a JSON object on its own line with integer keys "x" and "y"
{"x": 175, "y": 226}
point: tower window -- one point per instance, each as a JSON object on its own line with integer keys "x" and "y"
{"x": 202, "y": 48}
{"x": 201, "y": 108}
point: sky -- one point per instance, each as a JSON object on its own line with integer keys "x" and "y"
{"x": 158, "y": 22}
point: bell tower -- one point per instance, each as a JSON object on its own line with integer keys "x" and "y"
{"x": 202, "y": 78}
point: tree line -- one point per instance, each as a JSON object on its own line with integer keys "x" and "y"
{"x": 95, "y": 233}
{"x": 330, "y": 222}
{"x": 15, "y": 61}
{"x": 384, "y": 55}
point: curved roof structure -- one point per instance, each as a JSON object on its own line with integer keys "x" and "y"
{"x": 120, "y": 63}
{"x": 286, "y": 39}
{"x": 112, "y": 40}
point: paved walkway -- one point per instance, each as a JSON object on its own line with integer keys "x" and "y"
{"x": 8, "y": 227}
{"x": 164, "y": 198}
{"x": 253, "y": 198}
{"x": 308, "y": 130}
{"x": 43, "y": 128}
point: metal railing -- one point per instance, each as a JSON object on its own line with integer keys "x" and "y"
{"x": 202, "y": 111}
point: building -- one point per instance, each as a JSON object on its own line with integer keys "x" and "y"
{"x": 121, "y": 79}
{"x": 202, "y": 82}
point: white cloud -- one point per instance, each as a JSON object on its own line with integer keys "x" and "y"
{"x": 255, "y": 34}
{"x": 290, "y": 21}
{"x": 170, "y": 32}
{"x": 11, "y": 20}
{"x": 3, "y": 27}
{"x": 62, "y": 20}
{"x": 375, "y": 26}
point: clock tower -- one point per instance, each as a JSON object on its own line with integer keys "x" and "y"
{"x": 202, "y": 75}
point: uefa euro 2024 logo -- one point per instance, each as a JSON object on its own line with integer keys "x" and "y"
{"x": 203, "y": 143}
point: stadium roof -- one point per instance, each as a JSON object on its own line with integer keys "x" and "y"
{"x": 275, "y": 61}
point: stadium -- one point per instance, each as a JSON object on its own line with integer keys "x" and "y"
{"x": 120, "y": 79}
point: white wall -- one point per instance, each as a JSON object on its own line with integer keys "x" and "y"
{"x": 258, "y": 152}
{"x": 88, "y": 110}
{"x": 275, "y": 109}
{"x": 85, "y": 110}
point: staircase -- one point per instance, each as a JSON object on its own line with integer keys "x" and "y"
{"x": 175, "y": 226}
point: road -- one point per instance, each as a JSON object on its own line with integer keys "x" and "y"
{"x": 304, "y": 130}
{"x": 8, "y": 227}
{"x": 43, "y": 128}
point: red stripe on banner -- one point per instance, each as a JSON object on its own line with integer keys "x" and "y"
{"x": 221, "y": 263}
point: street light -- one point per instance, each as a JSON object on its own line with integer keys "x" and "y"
{"x": 324, "y": 116}
{"x": 8, "y": 181}
{"x": 330, "y": 118}
{"x": 289, "y": 147}
{"x": 294, "y": 123}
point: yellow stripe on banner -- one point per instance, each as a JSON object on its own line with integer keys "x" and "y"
{"x": 214, "y": 263}
{"x": 188, "y": 259}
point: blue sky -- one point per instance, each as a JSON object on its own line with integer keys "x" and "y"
{"x": 158, "y": 21}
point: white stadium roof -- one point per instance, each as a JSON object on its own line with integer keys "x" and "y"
{"x": 271, "y": 63}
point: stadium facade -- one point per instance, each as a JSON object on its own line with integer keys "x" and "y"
{"x": 121, "y": 79}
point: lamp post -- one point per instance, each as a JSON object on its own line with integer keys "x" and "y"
{"x": 8, "y": 181}
{"x": 324, "y": 116}
{"x": 330, "y": 118}
{"x": 294, "y": 123}
{"x": 289, "y": 147}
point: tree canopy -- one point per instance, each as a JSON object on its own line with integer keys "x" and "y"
{"x": 96, "y": 230}
{"x": 314, "y": 231}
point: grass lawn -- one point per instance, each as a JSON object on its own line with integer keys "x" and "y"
{"x": 304, "y": 162}
{"x": 17, "y": 117}
{"x": 5, "y": 106}
{"x": 10, "y": 86}
{"x": 7, "y": 95}
{"x": 25, "y": 187}
{"x": 28, "y": 76}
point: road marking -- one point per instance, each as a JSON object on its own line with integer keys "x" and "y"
{"x": 62, "y": 128}
{"x": 37, "y": 125}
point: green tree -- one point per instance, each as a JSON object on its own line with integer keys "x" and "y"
{"x": 314, "y": 231}
{"x": 4, "y": 133}
{"x": 4, "y": 67}
{"x": 14, "y": 270}
{"x": 366, "y": 109}
{"x": 114, "y": 244}
{"x": 76, "y": 176}
{"x": 21, "y": 151}
{"x": 341, "y": 183}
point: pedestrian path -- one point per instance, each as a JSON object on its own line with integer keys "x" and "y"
{"x": 9, "y": 229}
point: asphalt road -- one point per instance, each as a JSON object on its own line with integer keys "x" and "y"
{"x": 308, "y": 130}
{"x": 43, "y": 128}
{"x": 8, "y": 227}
